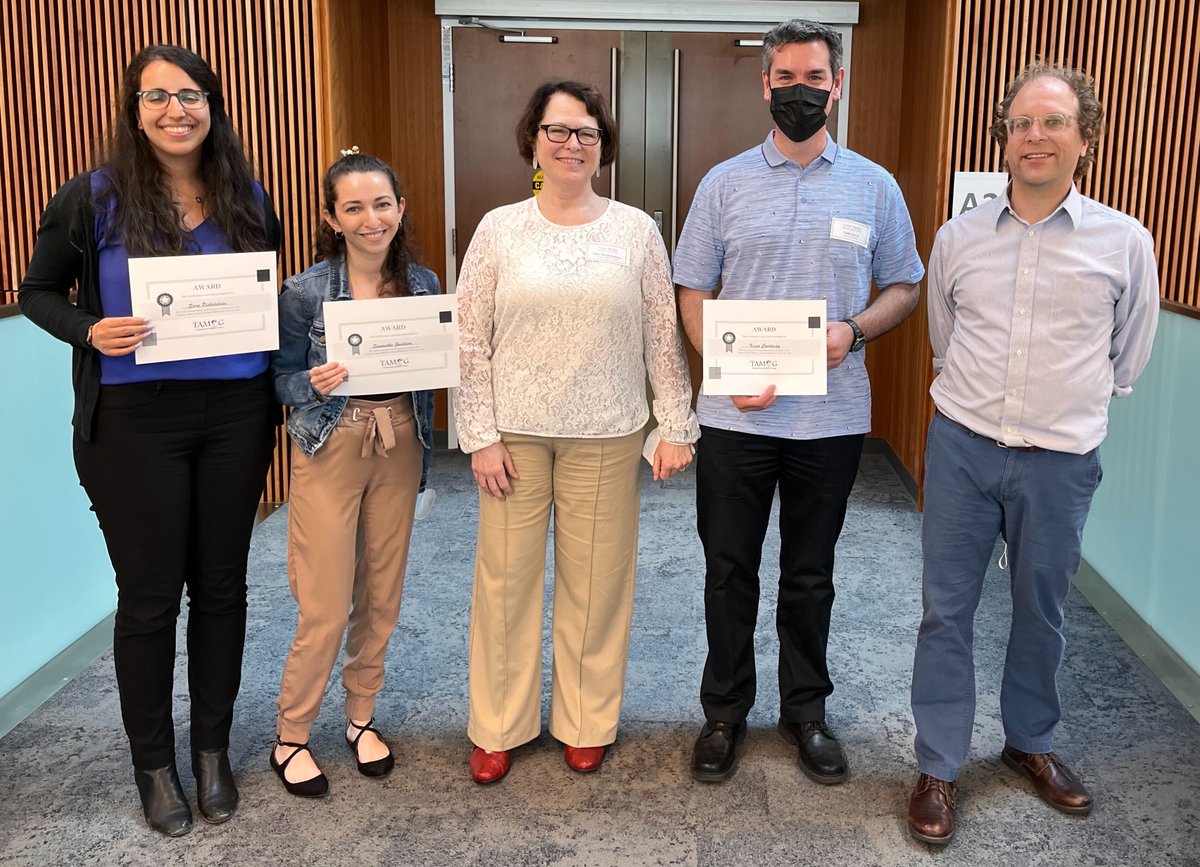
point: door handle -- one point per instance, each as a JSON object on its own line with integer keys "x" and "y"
{"x": 613, "y": 60}
{"x": 658, "y": 220}
{"x": 674, "y": 156}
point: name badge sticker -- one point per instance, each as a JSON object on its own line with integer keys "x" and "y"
{"x": 849, "y": 230}
{"x": 610, "y": 253}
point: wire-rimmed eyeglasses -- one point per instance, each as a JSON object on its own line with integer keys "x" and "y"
{"x": 1050, "y": 123}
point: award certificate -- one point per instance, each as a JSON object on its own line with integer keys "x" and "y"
{"x": 394, "y": 344}
{"x": 749, "y": 345}
{"x": 201, "y": 306}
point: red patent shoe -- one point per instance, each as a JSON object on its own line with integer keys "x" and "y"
{"x": 584, "y": 759}
{"x": 489, "y": 767}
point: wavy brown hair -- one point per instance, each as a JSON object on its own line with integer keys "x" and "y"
{"x": 401, "y": 253}
{"x": 1091, "y": 112}
{"x": 136, "y": 196}
{"x": 593, "y": 99}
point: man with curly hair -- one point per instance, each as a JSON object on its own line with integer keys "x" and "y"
{"x": 1042, "y": 306}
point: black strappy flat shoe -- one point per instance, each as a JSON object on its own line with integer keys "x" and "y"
{"x": 379, "y": 767}
{"x": 317, "y": 787}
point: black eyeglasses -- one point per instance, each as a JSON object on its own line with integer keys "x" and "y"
{"x": 158, "y": 98}
{"x": 559, "y": 134}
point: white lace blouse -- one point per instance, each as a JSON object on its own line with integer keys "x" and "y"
{"x": 560, "y": 325}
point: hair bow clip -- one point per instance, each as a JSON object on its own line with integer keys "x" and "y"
{"x": 353, "y": 149}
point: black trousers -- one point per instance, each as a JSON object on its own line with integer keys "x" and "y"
{"x": 736, "y": 477}
{"x": 174, "y": 472}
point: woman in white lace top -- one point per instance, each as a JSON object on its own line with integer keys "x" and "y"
{"x": 566, "y": 306}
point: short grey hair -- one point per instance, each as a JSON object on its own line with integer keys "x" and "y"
{"x": 801, "y": 30}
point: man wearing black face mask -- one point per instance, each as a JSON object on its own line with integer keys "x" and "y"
{"x": 798, "y": 217}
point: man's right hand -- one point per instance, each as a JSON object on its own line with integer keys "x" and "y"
{"x": 746, "y": 403}
{"x": 492, "y": 467}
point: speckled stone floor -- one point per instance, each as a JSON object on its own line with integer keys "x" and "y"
{"x": 67, "y": 796}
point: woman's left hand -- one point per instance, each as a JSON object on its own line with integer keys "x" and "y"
{"x": 669, "y": 459}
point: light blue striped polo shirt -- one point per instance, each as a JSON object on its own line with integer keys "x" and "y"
{"x": 759, "y": 228}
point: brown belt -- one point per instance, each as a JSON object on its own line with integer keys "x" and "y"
{"x": 981, "y": 436}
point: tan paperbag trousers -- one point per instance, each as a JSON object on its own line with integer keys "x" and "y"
{"x": 366, "y": 473}
{"x": 593, "y": 485}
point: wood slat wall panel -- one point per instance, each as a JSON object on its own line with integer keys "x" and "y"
{"x": 880, "y": 118}
{"x": 1145, "y": 57}
{"x": 60, "y": 69}
{"x": 899, "y": 363}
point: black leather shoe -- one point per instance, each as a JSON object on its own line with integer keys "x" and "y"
{"x": 216, "y": 792}
{"x": 821, "y": 756}
{"x": 163, "y": 801}
{"x": 714, "y": 757}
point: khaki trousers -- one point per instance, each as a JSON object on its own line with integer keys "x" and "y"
{"x": 362, "y": 482}
{"x": 593, "y": 485}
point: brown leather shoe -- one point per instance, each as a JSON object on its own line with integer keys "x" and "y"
{"x": 1055, "y": 783}
{"x": 584, "y": 759}
{"x": 931, "y": 810}
{"x": 489, "y": 767}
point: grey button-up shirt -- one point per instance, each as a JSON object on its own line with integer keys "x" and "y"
{"x": 1035, "y": 327}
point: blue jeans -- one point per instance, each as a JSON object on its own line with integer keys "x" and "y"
{"x": 1038, "y": 501}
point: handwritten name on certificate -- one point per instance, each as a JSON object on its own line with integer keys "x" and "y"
{"x": 203, "y": 306}
{"x": 394, "y": 344}
{"x": 749, "y": 345}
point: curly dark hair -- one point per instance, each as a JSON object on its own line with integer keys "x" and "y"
{"x": 136, "y": 196}
{"x": 401, "y": 252}
{"x": 597, "y": 107}
{"x": 1091, "y": 113}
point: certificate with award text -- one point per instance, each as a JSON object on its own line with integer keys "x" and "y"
{"x": 394, "y": 344}
{"x": 208, "y": 305}
{"x": 749, "y": 345}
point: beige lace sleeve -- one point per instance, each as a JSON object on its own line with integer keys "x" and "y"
{"x": 474, "y": 412}
{"x": 662, "y": 343}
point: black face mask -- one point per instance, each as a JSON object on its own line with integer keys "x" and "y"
{"x": 799, "y": 110}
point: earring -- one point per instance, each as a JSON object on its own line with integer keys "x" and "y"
{"x": 337, "y": 234}
{"x": 535, "y": 165}
{"x": 597, "y": 170}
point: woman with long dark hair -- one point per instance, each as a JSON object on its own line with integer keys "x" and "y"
{"x": 356, "y": 468}
{"x": 172, "y": 455}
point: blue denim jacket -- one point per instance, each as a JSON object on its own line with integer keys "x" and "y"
{"x": 302, "y": 347}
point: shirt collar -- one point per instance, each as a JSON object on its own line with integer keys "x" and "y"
{"x": 1072, "y": 205}
{"x": 775, "y": 159}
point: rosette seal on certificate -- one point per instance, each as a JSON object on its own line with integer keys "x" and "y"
{"x": 749, "y": 345}
{"x": 203, "y": 306}
{"x": 393, "y": 344}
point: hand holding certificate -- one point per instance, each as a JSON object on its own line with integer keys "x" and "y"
{"x": 393, "y": 344}
{"x": 749, "y": 345}
{"x": 204, "y": 306}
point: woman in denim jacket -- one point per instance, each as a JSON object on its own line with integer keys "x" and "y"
{"x": 356, "y": 469}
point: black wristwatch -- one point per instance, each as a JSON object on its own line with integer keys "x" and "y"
{"x": 860, "y": 339}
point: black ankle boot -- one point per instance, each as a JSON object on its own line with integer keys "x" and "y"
{"x": 163, "y": 801}
{"x": 215, "y": 790}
